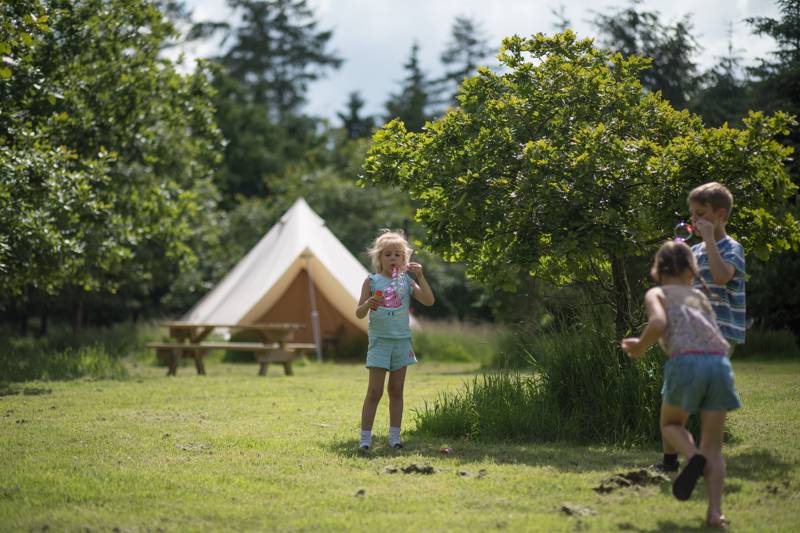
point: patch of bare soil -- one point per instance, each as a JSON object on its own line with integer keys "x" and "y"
{"x": 642, "y": 477}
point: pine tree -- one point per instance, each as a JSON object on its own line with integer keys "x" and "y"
{"x": 670, "y": 48}
{"x": 412, "y": 102}
{"x": 465, "y": 52}
{"x": 723, "y": 96}
{"x": 356, "y": 126}
{"x": 277, "y": 51}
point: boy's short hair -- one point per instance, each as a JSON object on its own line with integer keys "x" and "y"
{"x": 714, "y": 194}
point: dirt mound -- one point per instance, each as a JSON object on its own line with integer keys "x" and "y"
{"x": 633, "y": 478}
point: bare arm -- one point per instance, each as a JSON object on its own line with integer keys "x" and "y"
{"x": 656, "y": 324}
{"x": 367, "y": 301}
{"x": 420, "y": 288}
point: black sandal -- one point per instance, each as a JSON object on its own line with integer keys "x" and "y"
{"x": 397, "y": 446}
{"x": 684, "y": 484}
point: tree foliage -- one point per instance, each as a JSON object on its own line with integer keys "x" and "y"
{"x": 106, "y": 151}
{"x": 356, "y": 125}
{"x": 564, "y": 165}
{"x": 268, "y": 60}
{"x": 466, "y": 50}
{"x": 412, "y": 103}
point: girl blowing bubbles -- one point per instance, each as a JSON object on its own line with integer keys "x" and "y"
{"x": 386, "y": 296}
{"x": 697, "y": 376}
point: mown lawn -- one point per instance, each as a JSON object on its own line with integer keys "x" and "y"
{"x": 232, "y": 451}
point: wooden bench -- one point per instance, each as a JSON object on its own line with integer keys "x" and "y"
{"x": 265, "y": 353}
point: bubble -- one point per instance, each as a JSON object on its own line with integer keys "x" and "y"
{"x": 683, "y": 231}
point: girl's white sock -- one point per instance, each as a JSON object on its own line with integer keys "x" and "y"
{"x": 366, "y": 438}
{"x": 394, "y": 435}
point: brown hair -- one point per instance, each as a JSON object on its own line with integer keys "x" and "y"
{"x": 388, "y": 239}
{"x": 714, "y": 194}
{"x": 673, "y": 259}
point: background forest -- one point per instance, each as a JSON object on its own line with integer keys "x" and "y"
{"x": 129, "y": 186}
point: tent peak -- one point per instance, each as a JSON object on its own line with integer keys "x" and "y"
{"x": 302, "y": 211}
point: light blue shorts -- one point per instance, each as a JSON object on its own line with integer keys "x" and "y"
{"x": 391, "y": 354}
{"x": 700, "y": 382}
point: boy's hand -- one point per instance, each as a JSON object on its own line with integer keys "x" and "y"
{"x": 415, "y": 268}
{"x": 632, "y": 347}
{"x": 704, "y": 229}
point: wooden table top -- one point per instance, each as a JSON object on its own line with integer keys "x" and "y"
{"x": 261, "y": 326}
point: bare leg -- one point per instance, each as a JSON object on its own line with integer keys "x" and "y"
{"x": 374, "y": 393}
{"x": 674, "y": 432}
{"x": 713, "y": 429}
{"x": 666, "y": 448}
{"x": 397, "y": 380}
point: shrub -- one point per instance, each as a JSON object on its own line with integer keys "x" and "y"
{"x": 579, "y": 390}
{"x": 62, "y": 354}
{"x": 24, "y": 361}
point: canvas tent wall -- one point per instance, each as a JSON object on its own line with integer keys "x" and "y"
{"x": 270, "y": 284}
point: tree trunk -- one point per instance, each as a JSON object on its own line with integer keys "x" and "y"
{"x": 23, "y": 322}
{"x": 623, "y": 317}
{"x": 43, "y": 323}
{"x": 77, "y": 319}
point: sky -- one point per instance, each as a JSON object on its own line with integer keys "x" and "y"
{"x": 374, "y": 37}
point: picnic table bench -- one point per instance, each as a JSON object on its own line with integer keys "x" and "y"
{"x": 274, "y": 346}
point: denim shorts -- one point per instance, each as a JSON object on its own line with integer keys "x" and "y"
{"x": 700, "y": 382}
{"x": 391, "y": 354}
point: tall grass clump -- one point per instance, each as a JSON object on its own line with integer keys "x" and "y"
{"x": 768, "y": 344}
{"x": 457, "y": 341}
{"x": 580, "y": 389}
{"x": 62, "y": 354}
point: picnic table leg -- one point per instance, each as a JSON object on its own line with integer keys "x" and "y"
{"x": 173, "y": 362}
{"x": 198, "y": 362}
{"x": 287, "y": 368}
{"x": 262, "y": 367}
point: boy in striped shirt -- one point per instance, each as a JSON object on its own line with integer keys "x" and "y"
{"x": 720, "y": 258}
{"x": 720, "y": 261}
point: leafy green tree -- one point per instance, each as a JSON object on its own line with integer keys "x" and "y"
{"x": 564, "y": 167}
{"x": 107, "y": 152}
{"x": 772, "y": 300}
{"x": 466, "y": 51}
{"x": 356, "y": 125}
{"x": 411, "y": 104}
{"x": 632, "y": 31}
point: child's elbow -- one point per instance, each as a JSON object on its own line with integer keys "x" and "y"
{"x": 427, "y": 302}
{"x": 721, "y": 279}
{"x": 658, "y": 324}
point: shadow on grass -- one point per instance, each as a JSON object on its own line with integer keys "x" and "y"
{"x": 665, "y": 525}
{"x": 759, "y": 464}
{"x": 565, "y": 457}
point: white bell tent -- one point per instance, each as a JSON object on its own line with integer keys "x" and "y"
{"x": 297, "y": 272}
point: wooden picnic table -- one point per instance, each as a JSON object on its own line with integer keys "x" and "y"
{"x": 275, "y": 344}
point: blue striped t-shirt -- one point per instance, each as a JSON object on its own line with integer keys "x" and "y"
{"x": 727, "y": 300}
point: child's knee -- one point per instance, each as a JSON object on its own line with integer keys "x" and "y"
{"x": 395, "y": 393}
{"x": 374, "y": 394}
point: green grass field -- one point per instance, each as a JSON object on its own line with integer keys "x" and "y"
{"x": 232, "y": 451}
